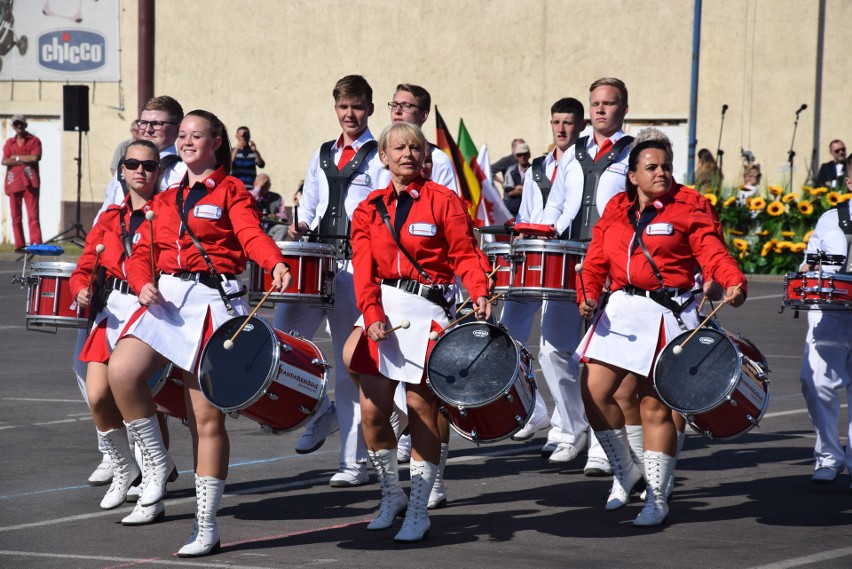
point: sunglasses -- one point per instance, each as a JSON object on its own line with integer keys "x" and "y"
{"x": 132, "y": 164}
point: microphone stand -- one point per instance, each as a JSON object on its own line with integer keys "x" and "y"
{"x": 791, "y": 154}
{"x": 720, "y": 154}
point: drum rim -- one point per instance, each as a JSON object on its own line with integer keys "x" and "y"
{"x": 52, "y": 268}
{"x": 496, "y": 246}
{"x": 270, "y": 375}
{"x": 298, "y": 246}
{"x": 732, "y": 385}
{"x": 550, "y": 245}
{"x": 506, "y": 388}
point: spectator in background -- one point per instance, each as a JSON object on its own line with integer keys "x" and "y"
{"x": 121, "y": 149}
{"x": 245, "y": 158}
{"x": 833, "y": 173}
{"x": 708, "y": 176}
{"x": 500, "y": 167}
{"x": 271, "y": 205}
{"x": 21, "y": 155}
{"x": 751, "y": 180}
{"x": 513, "y": 186}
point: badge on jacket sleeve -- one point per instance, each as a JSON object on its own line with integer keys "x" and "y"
{"x": 207, "y": 211}
{"x": 423, "y": 229}
{"x": 659, "y": 229}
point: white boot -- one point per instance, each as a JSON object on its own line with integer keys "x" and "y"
{"x": 658, "y": 469}
{"x": 415, "y": 527}
{"x": 125, "y": 471}
{"x": 144, "y": 515}
{"x": 637, "y": 445}
{"x": 146, "y": 433}
{"x": 625, "y": 472}
{"x": 136, "y": 489}
{"x": 205, "y": 539}
{"x": 681, "y": 438}
{"x": 438, "y": 495}
{"x": 394, "y": 501}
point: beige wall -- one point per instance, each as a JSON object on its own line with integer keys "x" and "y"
{"x": 498, "y": 64}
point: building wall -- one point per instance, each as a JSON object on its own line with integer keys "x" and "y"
{"x": 498, "y": 64}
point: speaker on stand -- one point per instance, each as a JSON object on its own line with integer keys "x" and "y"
{"x": 75, "y": 118}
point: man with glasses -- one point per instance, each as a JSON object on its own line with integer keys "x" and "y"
{"x": 833, "y": 173}
{"x": 21, "y": 155}
{"x": 158, "y": 122}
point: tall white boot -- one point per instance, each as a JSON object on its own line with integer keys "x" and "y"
{"x": 415, "y": 527}
{"x": 394, "y": 501}
{"x": 125, "y": 471}
{"x": 102, "y": 475}
{"x": 146, "y": 433}
{"x": 681, "y": 438}
{"x": 625, "y": 472}
{"x": 205, "y": 539}
{"x": 658, "y": 469}
{"x": 438, "y": 495}
{"x": 143, "y": 515}
{"x": 637, "y": 445}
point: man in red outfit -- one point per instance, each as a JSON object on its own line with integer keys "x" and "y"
{"x": 21, "y": 155}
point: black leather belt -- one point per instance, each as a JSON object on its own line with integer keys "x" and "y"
{"x": 203, "y": 277}
{"x": 665, "y": 292}
{"x": 119, "y": 285}
{"x": 434, "y": 294}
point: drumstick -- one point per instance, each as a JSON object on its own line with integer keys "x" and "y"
{"x": 149, "y": 215}
{"x": 433, "y": 335}
{"x": 579, "y": 269}
{"x": 405, "y": 326}
{"x": 228, "y": 344}
{"x": 701, "y": 305}
{"x": 98, "y": 250}
{"x": 678, "y": 349}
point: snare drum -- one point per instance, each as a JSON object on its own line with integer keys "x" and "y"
{"x": 498, "y": 256}
{"x": 273, "y": 378}
{"x": 167, "y": 388}
{"x": 49, "y": 300}
{"x": 312, "y": 266}
{"x": 545, "y": 269}
{"x": 484, "y": 380}
{"x": 818, "y": 291}
{"x": 718, "y": 382}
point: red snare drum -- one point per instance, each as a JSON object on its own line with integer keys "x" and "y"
{"x": 312, "y": 266}
{"x": 818, "y": 291}
{"x": 167, "y": 388}
{"x": 484, "y": 379}
{"x": 718, "y": 382}
{"x": 498, "y": 255}
{"x": 545, "y": 269}
{"x": 273, "y": 378}
{"x": 49, "y": 300}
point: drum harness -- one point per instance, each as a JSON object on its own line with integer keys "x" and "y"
{"x": 538, "y": 174}
{"x": 214, "y": 279}
{"x": 334, "y": 223}
{"x": 431, "y": 292}
{"x": 844, "y": 217}
{"x": 663, "y": 295}
{"x": 592, "y": 172}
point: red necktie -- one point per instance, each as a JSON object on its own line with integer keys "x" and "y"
{"x": 345, "y": 157}
{"x": 553, "y": 176}
{"x": 605, "y": 147}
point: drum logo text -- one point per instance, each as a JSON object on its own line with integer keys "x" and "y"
{"x": 480, "y": 333}
{"x": 248, "y": 327}
{"x": 706, "y": 340}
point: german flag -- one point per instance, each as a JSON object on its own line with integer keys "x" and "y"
{"x": 470, "y": 185}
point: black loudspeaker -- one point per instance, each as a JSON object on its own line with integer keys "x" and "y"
{"x": 75, "y": 108}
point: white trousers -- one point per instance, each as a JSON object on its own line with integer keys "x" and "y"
{"x": 561, "y": 330}
{"x": 826, "y": 369}
{"x": 305, "y": 320}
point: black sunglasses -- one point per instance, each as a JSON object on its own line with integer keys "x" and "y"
{"x": 132, "y": 164}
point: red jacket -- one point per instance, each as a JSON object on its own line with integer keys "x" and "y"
{"x": 226, "y": 222}
{"x": 683, "y": 235}
{"x": 437, "y": 233}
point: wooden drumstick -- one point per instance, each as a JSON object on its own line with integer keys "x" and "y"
{"x": 98, "y": 250}
{"x": 149, "y": 215}
{"x": 405, "y": 326}
{"x": 701, "y": 305}
{"x": 678, "y": 349}
{"x": 578, "y": 268}
{"x": 433, "y": 335}
{"x": 229, "y": 344}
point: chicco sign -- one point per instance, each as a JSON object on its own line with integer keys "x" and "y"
{"x": 71, "y": 50}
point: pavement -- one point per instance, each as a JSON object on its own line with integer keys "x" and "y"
{"x": 743, "y": 503}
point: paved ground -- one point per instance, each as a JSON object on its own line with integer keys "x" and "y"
{"x": 743, "y": 503}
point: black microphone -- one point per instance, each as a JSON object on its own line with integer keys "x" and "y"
{"x": 802, "y": 108}
{"x": 724, "y": 109}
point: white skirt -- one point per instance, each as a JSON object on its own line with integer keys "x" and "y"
{"x": 402, "y": 356}
{"x": 175, "y": 327}
{"x": 630, "y": 329}
{"x": 118, "y": 310}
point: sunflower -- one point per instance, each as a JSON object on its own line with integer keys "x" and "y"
{"x": 775, "y": 209}
{"x": 781, "y": 245}
{"x": 805, "y": 208}
{"x": 818, "y": 191}
{"x": 797, "y": 247}
{"x": 833, "y": 198}
{"x": 807, "y": 189}
{"x": 844, "y": 198}
{"x": 762, "y": 233}
{"x": 711, "y": 198}
{"x": 757, "y": 204}
{"x": 740, "y": 244}
{"x": 807, "y": 236}
{"x": 788, "y": 198}
{"x": 776, "y": 190}
{"x": 766, "y": 247}
{"x": 730, "y": 201}
{"x": 788, "y": 234}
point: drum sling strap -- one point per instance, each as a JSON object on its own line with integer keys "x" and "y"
{"x": 845, "y": 219}
{"x": 660, "y": 296}
{"x": 226, "y": 298}
{"x": 433, "y": 296}
{"x": 540, "y": 178}
{"x": 581, "y": 227}
{"x": 334, "y": 223}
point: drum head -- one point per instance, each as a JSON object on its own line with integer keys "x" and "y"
{"x": 701, "y": 376}
{"x": 473, "y": 364}
{"x": 234, "y": 379}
